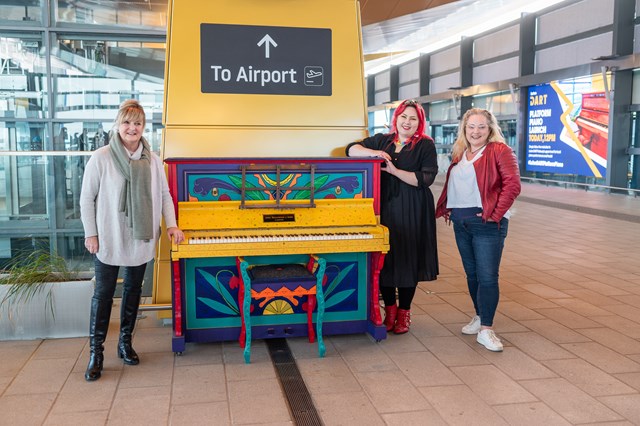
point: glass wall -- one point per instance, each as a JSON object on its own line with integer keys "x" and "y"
{"x": 443, "y": 120}
{"x": 133, "y": 14}
{"x": 380, "y": 120}
{"x": 27, "y": 12}
{"x": 634, "y": 160}
{"x": 501, "y": 104}
{"x": 61, "y": 83}
{"x": 23, "y": 83}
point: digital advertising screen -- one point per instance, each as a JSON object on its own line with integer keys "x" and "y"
{"x": 568, "y": 127}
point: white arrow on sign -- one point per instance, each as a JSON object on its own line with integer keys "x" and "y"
{"x": 267, "y": 40}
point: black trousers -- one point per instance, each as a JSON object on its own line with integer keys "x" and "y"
{"x": 405, "y": 296}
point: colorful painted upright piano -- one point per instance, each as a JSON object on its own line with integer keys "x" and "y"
{"x": 255, "y": 154}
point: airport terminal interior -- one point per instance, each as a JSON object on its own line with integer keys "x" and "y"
{"x": 561, "y": 76}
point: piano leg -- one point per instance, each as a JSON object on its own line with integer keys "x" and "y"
{"x": 243, "y": 334}
{"x": 375, "y": 327}
{"x": 178, "y": 342}
{"x": 377, "y": 261}
{"x": 245, "y": 310}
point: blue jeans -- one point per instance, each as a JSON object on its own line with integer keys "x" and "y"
{"x": 107, "y": 277}
{"x": 480, "y": 245}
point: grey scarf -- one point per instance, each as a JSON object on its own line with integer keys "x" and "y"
{"x": 135, "y": 201}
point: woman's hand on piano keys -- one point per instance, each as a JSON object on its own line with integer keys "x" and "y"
{"x": 175, "y": 235}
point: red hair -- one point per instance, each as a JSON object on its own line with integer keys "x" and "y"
{"x": 422, "y": 120}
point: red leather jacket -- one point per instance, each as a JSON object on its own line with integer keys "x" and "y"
{"x": 498, "y": 179}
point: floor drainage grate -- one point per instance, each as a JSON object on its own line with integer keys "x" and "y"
{"x": 302, "y": 409}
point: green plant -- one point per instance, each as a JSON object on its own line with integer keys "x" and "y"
{"x": 28, "y": 271}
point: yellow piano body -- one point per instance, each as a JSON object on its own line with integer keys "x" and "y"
{"x": 250, "y": 84}
{"x": 217, "y": 229}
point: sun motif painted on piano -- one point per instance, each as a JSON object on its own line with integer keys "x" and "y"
{"x": 278, "y": 307}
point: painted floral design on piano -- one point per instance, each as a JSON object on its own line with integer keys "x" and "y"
{"x": 220, "y": 282}
{"x": 205, "y": 185}
{"x": 345, "y": 183}
{"x": 330, "y": 297}
{"x": 225, "y": 281}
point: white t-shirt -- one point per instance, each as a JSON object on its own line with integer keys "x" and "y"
{"x": 462, "y": 190}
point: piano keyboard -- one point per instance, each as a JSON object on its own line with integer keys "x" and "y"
{"x": 221, "y": 229}
{"x": 280, "y": 237}
{"x": 374, "y": 238}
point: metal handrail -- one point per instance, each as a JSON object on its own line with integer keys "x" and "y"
{"x": 586, "y": 186}
{"x": 155, "y": 307}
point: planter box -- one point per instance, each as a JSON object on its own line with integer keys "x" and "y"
{"x": 32, "y": 320}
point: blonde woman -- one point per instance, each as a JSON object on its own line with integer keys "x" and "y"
{"x": 482, "y": 183}
{"x": 124, "y": 195}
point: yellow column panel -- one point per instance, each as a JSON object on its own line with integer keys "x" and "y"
{"x": 206, "y": 38}
{"x": 260, "y": 78}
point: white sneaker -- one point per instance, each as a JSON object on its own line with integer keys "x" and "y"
{"x": 473, "y": 327}
{"x": 489, "y": 340}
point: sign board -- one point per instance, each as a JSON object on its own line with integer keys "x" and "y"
{"x": 266, "y": 60}
{"x": 567, "y": 127}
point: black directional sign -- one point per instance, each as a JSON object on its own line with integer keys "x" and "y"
{"x": 265, "y": 60}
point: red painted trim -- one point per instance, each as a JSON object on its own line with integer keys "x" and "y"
{"x": 278, "y": 160}
{"x": 377, "y": 261}
{"x": 376, "y": 187}
{"x": 172, "y": 180}
{"x": 243, "y": 328}
{"x": 177, "y": 299}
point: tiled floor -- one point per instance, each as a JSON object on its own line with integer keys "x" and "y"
{"x": 569, "y": 317}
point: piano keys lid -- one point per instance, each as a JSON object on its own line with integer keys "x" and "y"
{"x": 218, "y": 215}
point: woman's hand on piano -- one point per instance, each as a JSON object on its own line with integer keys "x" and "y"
{"x": 382, "y": 154}
{"x": 175, "y": 235}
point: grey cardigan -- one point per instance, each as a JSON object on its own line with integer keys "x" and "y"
{"x": 99, "y": 200}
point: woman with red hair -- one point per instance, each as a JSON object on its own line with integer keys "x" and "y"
{"x": 406, "y": 208}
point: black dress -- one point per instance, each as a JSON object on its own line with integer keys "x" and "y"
{"x": 408, "y": 212}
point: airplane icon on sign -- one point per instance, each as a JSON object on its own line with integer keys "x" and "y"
{"x": 313, "y": 76}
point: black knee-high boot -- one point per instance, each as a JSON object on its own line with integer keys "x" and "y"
{"x": 99, "y": 325}
{"x": 128, "y": 316}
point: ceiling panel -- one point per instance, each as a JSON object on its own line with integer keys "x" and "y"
{"x": 373, "y": 11}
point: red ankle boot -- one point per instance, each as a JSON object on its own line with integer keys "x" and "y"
{"x": 390, "y": 316}
{"x": 403, "y": 321}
